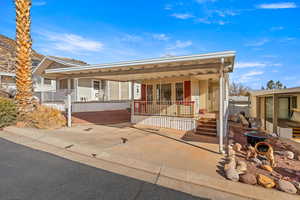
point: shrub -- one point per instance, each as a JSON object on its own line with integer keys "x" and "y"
{"x": 46, "y": 118}
{"x": 8, "y": 112}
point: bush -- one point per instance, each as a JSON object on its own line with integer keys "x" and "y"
{"x": 8, "y": 112}
{"x": 46, "y": 118}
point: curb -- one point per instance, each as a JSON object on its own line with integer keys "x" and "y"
{"x": 185, "y": 177}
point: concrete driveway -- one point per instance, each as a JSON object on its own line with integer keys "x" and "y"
{"x": 104, "y": 141}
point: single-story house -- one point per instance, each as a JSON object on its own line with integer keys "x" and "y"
{"x": 85, "y": 89}
{"x": 182, "y": 92}
{"x": 278, "y": 110}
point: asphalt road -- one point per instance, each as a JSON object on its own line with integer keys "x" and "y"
{"x": 27, "y": 174}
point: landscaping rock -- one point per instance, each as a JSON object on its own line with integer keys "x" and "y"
{"x": 266, "y": 162}
{"x": 286, "y": 186}
{"x": 290, "y": 171}
{"x": 241, "y": 167}
{"x": 297, "y": 185}
{"x": 281, "y": 153}
{"x": 248, "y": 179}
{"x": 289, "y": 155}
{"x": 237, "y": 147}
{"x": 265, "y": 181}
{"x": 267, "y": 167}
{"x": 256, "y": 161}
{"x": 231, "y": 152}
{"x": 276, "y": 175}
{"x": 232, "y": 174}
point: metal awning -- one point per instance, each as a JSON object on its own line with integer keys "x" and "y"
{"x": 286, "y": 91}
{"x": 179, "y": 66}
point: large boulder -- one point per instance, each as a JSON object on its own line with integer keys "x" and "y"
{"x": 237, "y": 147}
{"x": 241, "y": 167}
{"x": 256, "y": 161}
{"x": 232, "y": 174}
{"x": 286, "y": 186}
{"x": 248, "y": 179}
{"x": 265, "y": 181}
{"x": 267, "y": 167}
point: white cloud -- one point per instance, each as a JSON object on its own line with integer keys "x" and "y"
{"x": 258, "y": 43}
{"x": 161, "y": 36}
{"x": 70, "y": 42}
{"x": 247, "y": 77}
{"x": 277, "y": 28}
{"x": 280, "y": 5}
{"x": 180, "y": 45}
{"x": 225, "y": 13}
{"x": 131, "y": 38}
{"x": 39, "y": 3}
{"x": 256, "y": 64}
{"x": 207, "y": 21}
{"x": 182, "y": 15}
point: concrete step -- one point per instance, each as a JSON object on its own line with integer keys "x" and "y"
{"x": 206, "y": 133}
{"x": 206, "y": 122}
{"x": 206, "y": 125}
{"x": 202, "y": 129}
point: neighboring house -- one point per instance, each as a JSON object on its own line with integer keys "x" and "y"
{"x": 7, "y": 67}
{"x": 278, "y": 110}
{"x": 85, "y": 89}
{"x": 175, "y": 91}
{"x": 238, "y": 104}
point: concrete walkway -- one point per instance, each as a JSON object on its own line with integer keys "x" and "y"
{"x": 148, "y": 152}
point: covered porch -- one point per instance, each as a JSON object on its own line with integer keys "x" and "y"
{"x": 176, "y": 92}
{"x": 278, "y": 111}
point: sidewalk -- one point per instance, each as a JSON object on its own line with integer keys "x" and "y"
{"x": 123, "y": 159}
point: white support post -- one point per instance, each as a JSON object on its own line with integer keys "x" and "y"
{"x": 132, "y": 100}
{"x": 108, "y": 90}
{"x": 76, "y": 89}
{"x": 69, "y": 84}
{"x": 221, "y": 109}
{"x": 120, "y": 91}
{"x": 69, "y": 110}
{"x": 42, "y": 90}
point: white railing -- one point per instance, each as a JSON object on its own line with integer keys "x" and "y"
{"x": 166, "y": 108}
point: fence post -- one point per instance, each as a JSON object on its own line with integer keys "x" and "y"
{"x": 69, "y": 104}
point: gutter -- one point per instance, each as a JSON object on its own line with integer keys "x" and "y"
{"x": 142, "y": 62}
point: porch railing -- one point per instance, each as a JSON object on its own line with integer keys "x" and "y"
{"x": 169, "y": 108}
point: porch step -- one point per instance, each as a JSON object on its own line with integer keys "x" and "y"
{"x": 206, "y": 133}
{"x": 207, "y": 126}
{"x": 204, "y": 129}
{"x": 213, "y": 126}
{"x": 296, "y": 132}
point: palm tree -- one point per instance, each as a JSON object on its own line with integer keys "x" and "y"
{"x": 23, "y": 55}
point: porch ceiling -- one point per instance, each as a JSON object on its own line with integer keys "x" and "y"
{"x": 181, "y": 66}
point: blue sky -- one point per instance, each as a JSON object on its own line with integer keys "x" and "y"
{"x": 265, "y": 34}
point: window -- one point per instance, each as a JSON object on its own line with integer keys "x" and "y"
{"x": 163, "y": 92}
{"x": 47, "y": 81}
{"x": 96, "y": 85}
{"x": 103, "y": 85}
{"x": 179, "y": 91}
{"x": 63, "y": 84}
{"x": 149, "y": 93}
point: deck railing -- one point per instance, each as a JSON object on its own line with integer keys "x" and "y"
{"x": 169, "y": 108}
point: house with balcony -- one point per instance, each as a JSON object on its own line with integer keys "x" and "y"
{"x": 188, "y": 93}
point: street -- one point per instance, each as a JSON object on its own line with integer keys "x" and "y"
{"x": 34, "y": 175}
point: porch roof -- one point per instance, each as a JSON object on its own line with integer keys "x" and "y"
{"x": 166, "y": 67}
{"x": 287, "y": 91}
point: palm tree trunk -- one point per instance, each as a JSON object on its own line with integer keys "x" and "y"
{"x": 23, "y": 55}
